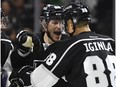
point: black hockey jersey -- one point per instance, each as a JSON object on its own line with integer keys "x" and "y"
{"x": 86, "y": 60}
{"x": 6, "y": 47}
{"x": 34, "y": 58}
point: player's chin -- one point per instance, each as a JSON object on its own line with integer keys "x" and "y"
{"x": 57, "y": 37}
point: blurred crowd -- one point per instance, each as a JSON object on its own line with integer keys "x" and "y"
{"x": 21, "y": 14}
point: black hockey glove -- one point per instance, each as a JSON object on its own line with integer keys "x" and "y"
{"x": 21, "y": 77}
{"x": 16, "y": 82}
{"x": 25, "y": 42}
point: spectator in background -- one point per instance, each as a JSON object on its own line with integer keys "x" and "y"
{"x": 6, "y": 6}
{"x": 21, "y": 16}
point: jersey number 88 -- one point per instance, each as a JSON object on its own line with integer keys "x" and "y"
{"x": 94, "y": 67}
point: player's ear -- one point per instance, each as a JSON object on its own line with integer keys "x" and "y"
{"x": 70, "y": 26}
{"x": 44, "y": 25}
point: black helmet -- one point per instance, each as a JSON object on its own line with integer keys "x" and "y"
{"x": 4, "y": 20}
{"x": 52, "y": 12}
{"x": 77, "y": 12}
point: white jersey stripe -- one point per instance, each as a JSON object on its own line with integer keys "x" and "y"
{"x": 74, "y": 44}
{"x": 6, "y": 40}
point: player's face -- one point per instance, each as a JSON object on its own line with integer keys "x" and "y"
{"x": 54, "y": 28}
{"x": 69, "y": 26}
{"x": 3, "y": 24}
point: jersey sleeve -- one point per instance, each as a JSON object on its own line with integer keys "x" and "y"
{"x": 6, "y": 49}
{"x": 46, "y": 78}
{"x": 60, "y": 59}
{"x": 18, "y": 61}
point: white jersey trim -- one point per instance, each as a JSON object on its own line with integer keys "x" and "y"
{"x": 78, "y": 41}
{"x": 23, "y": 54}
{"x": 6, "y": 40}
{"x": 42, "y": 77}
{"x": 8, "y": 66}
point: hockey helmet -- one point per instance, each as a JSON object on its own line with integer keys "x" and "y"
{"x": 77, "y": 12}
{"x": 50, "y": 12}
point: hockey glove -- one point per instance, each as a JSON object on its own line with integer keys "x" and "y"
{"x": 25, "y": 42}
{"x": 16, "y": 82}
{"x": 21, "y": 76}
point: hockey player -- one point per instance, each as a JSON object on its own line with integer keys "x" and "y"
{"x": 52, "y": 26}
{"x": 6, "y": 49}
{"x": 23, "y": 57}
{"x": 85, "y": 60}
